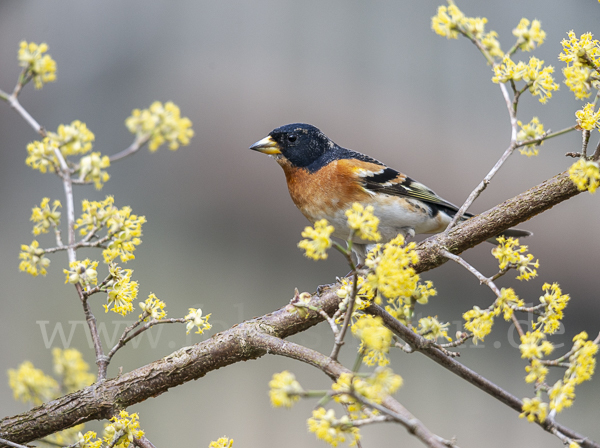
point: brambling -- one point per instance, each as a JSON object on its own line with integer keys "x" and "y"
{"x": 324, "y": 180}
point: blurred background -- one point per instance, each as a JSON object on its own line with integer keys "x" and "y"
{"x": 222, "y": 230}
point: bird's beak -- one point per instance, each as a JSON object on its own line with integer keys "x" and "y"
{"x": 267, "y": 146}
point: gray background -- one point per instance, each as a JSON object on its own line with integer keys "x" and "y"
{"x": 222, "y": 231}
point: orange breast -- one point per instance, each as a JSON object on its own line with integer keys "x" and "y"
{"x": 333, "y": 187}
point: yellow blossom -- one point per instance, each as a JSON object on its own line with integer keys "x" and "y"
{"x": 538, "y": 78}
{"x": 492, "y": 45}
{"x": 45, "y": 217}
{"x": 121, "y": 291}
{"x": 577, "y": 51}
{"x": 533, "y": 345}
{"x": 73, "y": 139}
{"x": 284, "y": 389}
{"x": 580, "y": 79}
{"x": 554, "y": 302}
{"x": 529, "y": 37}
{"x": 91, "y": 169}
{"x": 510, "y": 254}
{"x": 390, "y": 271}
{"x": 561, "y": 395}
{"x": 582, "y": 362}
{"x": 124, "y": 228}
{"x": 41, "y": 155}
{"x": 316, "y": 247}
{"x": 422, "y": 292}
{"x": 530, "y": 131}
{"x": 95, "y": 214}
{"x": 222, "y": 442}
{"x": 331, "y": 430}
{"x": 82, "y": 272}
{"x": 122, "y": 428}
{"x": 587, "y": 119}
{"x": 40, "y": 67}
{"x": 536, "y": 372}
{"x": 33, "y": 260}
{"x": 375, "y": 339}
{"x": 507, "y": 302}
{"x": 153, "y": 308}
{"x": 196, "y": 319}
{"x": 73, "y": 370}
{"x": 364, "y": 294}
{"x": 534, "y": 409}
{"x": 585, "y": 174}
{"x": 447, "y": 21}
{"x": 161, "y": 123}
{"x": 479, "y": 322}
{"x": 32, "y": 385}
{"x": 87, "y": 440}
{"x": 362, "y": 220}
{"x": 432, "y": 329}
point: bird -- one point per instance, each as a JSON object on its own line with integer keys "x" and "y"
{"x": 325, "y": 179}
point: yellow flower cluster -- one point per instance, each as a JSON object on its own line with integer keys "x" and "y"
{"x": 538, "y": 78}
{"x": 222, "y": 442}
{"x": 121, "y": 290}
{"x": 87, "y": 440}
{"x": 161, "y": 123}
{"x": 91, "y": 169}
{"x": 402, "y": 308}
{"x": 511, "y": 255}
{"x": 587, "y": 119}
{"x": 82, "y": 272}
{"x": 582, "y": 57}
{"x": 507, "y": 302}
{"x": 331, "y": 430}
{"x": 554, "y": 302}
{"x": 153, "y": 308}
{"x": 125, "y": 230}
{"x": 32, "y": 385}
{"x": 534, "y": 345}
{"x": 479, "y": 322}
{"x": 528, "y": 37}
{"x": 33, "y": 260}
{"x": 581, "y": 366}
{"x": 74, "y": 371}
{"x": 196, "y": 319}
{"x": 284, "y": 390}
{"x": 534, "y": 409}
{"x": 122, "y": 429}
{"x": 45, "y": 217}
{"x": 40, "y": 67}
{"x": 123, "y": 227}
{"x": 431, "y": 328}
{"x": 450, "y": 21}
{"x": 41, "y": 155}
{"x": 319, "y": 240}
{"x": 73, "y": 139}
{"x": 381, "y": 383}
{"x": 585, "y": 174}
{"x": 375, "y": 338}
{"x": 364, "y": 295}
{"x": 530, "y": 131}
{"x": 390, "y": 271}
{"x": 363, "y": 222}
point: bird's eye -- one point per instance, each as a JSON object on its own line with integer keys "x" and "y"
{"x": 292, "y": 138}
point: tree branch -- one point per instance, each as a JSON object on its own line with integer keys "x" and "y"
{"x": 247, "y": 340}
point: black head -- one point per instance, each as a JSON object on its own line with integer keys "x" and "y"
{"x": 302, "y": 144}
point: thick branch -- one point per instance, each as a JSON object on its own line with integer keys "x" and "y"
{"x": 489, "y": 224}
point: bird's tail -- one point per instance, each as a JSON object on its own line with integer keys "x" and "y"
{"x": 511, "y": 233}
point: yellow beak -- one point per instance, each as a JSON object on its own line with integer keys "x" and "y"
{"x": 267, "y": 146}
